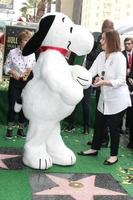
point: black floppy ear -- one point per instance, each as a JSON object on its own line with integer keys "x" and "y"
{"x": 34, "y": 43}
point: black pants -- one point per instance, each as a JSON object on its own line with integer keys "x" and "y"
{"x": 14, "y": 93}
{"x": 113, "y": 122}
{"x": 106, "y": 128}
{"x": 85, "y": 106}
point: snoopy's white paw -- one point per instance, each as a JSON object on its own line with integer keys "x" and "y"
{"x": 17, "y": 107}
{"x": 82, "y": 76}
{"x": 38, "y": 162}
{"x": 85, "y": 83}
{"x": 64, "y": 157}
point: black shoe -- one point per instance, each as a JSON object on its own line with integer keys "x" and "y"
{"x": 106, "y": 162}
{"x": 89, "y": 142}
{"x": 69, "y": 128}
{"x": 130, "y": 145}
{"x": 85, "y": 133}
{"x": 20, "y": 133}
{"x": 86, "y": 130}
{"x": 81, "y": 153}
{"x": 9, "y": 134}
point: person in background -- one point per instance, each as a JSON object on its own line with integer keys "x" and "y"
{"x": 1, "y": 61}
{"x": 130, "y": 111}
{"x": 19, "y": 68}
{"x": 110, "y": 65}
{"x": 128, "y": 53}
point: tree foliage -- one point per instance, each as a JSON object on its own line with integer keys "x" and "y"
{"x": 33, "y": 4}
{"x": 29, "y": 4}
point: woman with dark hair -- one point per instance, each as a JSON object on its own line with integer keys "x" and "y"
{"x": 110, "y": 65}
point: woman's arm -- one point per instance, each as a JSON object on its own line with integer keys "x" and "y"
{"x": 94, "y": 68}
{"x": 119, "y": 70}
{"x": 115, "y": 74}
{"x": 8, "y": 64}
{"x": 8, "y": 67}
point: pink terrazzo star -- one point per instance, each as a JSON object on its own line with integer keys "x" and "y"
{"x": 6, "y": 156}
{"x": 86, "y": 189}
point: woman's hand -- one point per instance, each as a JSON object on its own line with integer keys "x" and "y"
{"x": 100, "y": 82}
{"x": 13, "y": 73}
{"x": 97, "y": 82}
{"x": 26, "y": 74}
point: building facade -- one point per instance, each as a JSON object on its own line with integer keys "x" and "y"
{"x": 72, "y": 8}
{"x": 94, "y": 12}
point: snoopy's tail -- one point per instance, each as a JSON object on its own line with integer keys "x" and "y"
{"x": 18, "y": 105}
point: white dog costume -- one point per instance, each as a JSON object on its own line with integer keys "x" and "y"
{"x": 55, "y": 89}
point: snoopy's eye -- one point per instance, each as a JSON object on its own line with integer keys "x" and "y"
{"x": 71, "y": 29}
{"x": 63, "y": 19}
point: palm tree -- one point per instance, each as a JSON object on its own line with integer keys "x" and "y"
{"x": 30, "y": 4}
{"x": 35, "y": 4}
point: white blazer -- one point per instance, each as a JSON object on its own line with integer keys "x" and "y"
{"x": 113, "y": 99}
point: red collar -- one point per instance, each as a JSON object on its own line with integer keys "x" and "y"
{"x": 61, "y": 50}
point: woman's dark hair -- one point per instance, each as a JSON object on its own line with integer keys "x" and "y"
{"x": 113, "y": 41}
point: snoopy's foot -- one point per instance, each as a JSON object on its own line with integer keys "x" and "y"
{"x": 37, "y": 162}
{"x": 65, "y": 158}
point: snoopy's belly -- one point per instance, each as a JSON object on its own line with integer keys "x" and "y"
{"x": 45, "y": 105}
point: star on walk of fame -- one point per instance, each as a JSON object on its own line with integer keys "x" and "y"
{"x": 4, "y": 157}
{"x": 83, "y": 188}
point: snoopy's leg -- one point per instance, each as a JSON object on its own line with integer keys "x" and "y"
{"x": 35, "y": 153}
{"x": 59, "y": 152}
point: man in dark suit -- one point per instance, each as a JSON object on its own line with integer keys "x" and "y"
{"x": 128, "y": 53}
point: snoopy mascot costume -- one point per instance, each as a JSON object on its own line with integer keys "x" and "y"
{"x": 55, "y": 89}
